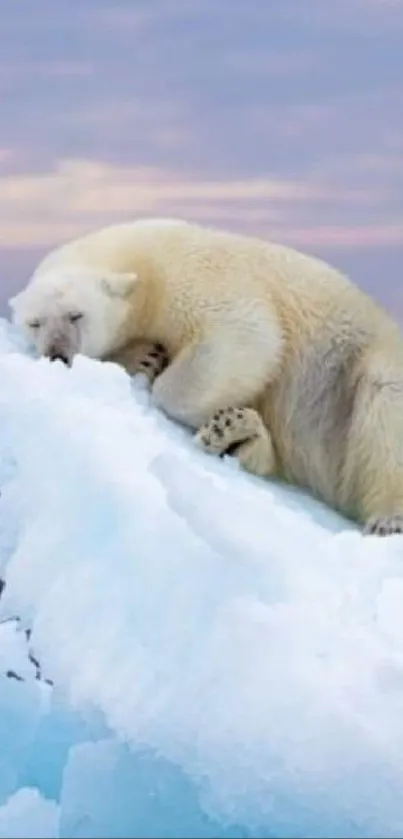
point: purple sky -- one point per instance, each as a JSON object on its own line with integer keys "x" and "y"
{"x": 277, "y": 117}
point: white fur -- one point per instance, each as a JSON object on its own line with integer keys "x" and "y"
{"x": 245, "y": 322}
{"x": 43, "y": 311}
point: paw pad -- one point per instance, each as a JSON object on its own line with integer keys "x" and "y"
{"x": 228, "y": 429}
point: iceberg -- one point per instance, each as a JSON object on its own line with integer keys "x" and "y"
{"x": 216, "y": 655}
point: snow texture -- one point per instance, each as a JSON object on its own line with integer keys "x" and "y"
{"x": 190, "y": 651}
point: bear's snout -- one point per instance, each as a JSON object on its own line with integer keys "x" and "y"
{"x": 58, "y": 356}
{"x": 58, "y": 351}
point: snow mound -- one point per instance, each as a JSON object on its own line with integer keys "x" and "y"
{"x": 227, "y": 654}
{"x": 27, "y": 815}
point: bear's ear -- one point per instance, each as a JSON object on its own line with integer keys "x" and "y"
{"x": 119, "y": 284}
{"x": 13, "y": 302}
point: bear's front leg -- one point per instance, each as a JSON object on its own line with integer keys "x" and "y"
{"x": 210, "y": 375}
{"x": 242, "y": 433}
{"x": 142, "y": 357}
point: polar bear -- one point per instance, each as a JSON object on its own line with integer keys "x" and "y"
{"x": 273, "y": 354}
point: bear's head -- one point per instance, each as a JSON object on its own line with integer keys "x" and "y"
{"x": 66, "y": 312}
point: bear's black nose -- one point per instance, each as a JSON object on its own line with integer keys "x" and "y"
{"x": 58, "y": 356}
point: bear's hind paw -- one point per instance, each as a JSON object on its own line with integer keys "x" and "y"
{"x": 384, "y": 525}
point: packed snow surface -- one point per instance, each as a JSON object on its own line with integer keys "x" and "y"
{"x": 226, "y": 654}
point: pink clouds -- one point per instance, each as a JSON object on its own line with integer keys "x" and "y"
{"x": 282, "y": 118}
{"x": 40, "y": 208}
{"x": 347, "y": 237}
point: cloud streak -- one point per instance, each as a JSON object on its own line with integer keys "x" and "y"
{"x": 38, "y": 209}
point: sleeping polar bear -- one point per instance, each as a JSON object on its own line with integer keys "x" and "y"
{"x": 272, "y": 354}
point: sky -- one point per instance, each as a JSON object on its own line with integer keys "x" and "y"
{"x": 282, "y": 118}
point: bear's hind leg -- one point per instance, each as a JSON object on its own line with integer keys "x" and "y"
{"x": 373, "y": 471}
{"x": 241, "y": 432}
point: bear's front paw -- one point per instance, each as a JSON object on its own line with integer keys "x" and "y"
{"x": 152, "y": 362}
{"x": 384, "y": 525}
{"x": 239, "y": 432}
{"x": 227, "y": 429}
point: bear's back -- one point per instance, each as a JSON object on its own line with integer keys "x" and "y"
{"x": 215, "y": 265}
